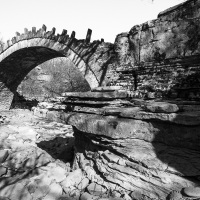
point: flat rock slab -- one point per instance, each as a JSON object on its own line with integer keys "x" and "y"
{"x": 115, "y": 127}
{"x": 97, "y": 95}
{"x": 118, "y": 102}
{"x": 106, "y": 89}
{"x": 182, "y": 118}
{"x": 162, "y": 107}
{"x": 107, "y": 110}
{"x": 192, "y": 191}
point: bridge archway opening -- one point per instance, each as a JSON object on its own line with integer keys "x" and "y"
{"x": 17, "y": 64}
{"x": 51, "y": 78}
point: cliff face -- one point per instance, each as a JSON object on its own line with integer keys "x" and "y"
{"x": 164, "y": 53}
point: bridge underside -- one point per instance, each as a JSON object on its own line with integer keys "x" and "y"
{"x": 15, "y": 67}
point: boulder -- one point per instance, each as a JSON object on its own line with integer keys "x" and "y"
{"x": 192, "y": 191}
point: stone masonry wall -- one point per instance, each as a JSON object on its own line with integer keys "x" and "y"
{"x": 164, "y": 53}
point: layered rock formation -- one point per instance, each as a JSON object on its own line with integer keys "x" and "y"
{"x": 144, "y": 149}
{"x": 31, "y": 48}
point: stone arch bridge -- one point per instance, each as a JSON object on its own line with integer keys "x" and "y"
{"x": 25, "y": 51}
{"x": 160, "y": 57}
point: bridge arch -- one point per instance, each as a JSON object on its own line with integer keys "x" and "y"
{"x": 26, "y": 51}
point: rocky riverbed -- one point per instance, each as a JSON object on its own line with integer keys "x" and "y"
{"x": 36, "y": 160}
{"x": 130, "y": 149}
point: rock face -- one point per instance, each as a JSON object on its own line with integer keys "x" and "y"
{"x": 144, "y": 149}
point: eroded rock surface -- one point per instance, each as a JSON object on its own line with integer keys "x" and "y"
{"x": 144, "y": 149}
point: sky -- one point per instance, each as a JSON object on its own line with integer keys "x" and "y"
{"x": 106, "y": 18}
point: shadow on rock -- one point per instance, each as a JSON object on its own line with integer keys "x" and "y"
{"x": 187, "y": 87}
{"x": 59, "y": 148}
